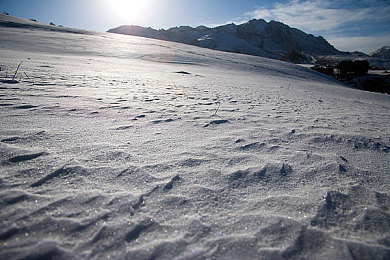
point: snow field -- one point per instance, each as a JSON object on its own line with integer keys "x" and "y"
{"x": 130, "y": 148}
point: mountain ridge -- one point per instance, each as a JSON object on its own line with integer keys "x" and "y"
{"x": 383, "y": 52}
{"x": 256, "y": 37}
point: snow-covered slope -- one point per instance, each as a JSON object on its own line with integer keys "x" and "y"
{"x": 132, "y": 148}
{"x": 256, "y": 37}
{"x": 16, "y": 22}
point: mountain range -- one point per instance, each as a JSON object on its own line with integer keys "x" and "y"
{"x": 257, "y": 37}
{"x": 383, "y": 52}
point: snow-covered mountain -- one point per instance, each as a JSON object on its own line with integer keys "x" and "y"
{"x": 256, "y": 37}
{"x": 383, "y": 52}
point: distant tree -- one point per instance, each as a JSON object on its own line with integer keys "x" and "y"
{"x": 33, "y": 20}
{"x": 357, "y": 67}
{"x": 360, "y": 67}
{"x": 345, "y": 67}
{"x": 294, "y": 57}
{"x": 52, "y": 24}
{"x": 261, "y": 45}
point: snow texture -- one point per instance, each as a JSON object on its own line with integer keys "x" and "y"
{"x": 132, "y": 148}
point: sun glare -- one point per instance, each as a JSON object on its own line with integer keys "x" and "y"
{"x": 131, "y": 10}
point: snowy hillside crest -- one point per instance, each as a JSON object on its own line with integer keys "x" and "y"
{"x": 257, "y": 37}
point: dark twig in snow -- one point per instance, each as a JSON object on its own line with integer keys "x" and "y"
{"x": 219, "y": 104}
{"x": 13, "y": 78}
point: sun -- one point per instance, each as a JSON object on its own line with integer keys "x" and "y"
{"x": 130, "y": 9}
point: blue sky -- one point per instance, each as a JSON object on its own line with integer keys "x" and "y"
{"x": 348, "y": 25}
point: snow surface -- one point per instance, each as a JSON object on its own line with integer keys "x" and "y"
{"x": 131, "y": 148}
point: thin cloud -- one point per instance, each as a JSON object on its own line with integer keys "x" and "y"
{"x": 349, "y": 25}
{"x": 365, "y": 44}
{"x": 318, "y": 15}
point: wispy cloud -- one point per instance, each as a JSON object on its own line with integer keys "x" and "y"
{"x": 343, "y": 19}
{"x": 318, "y": 15}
